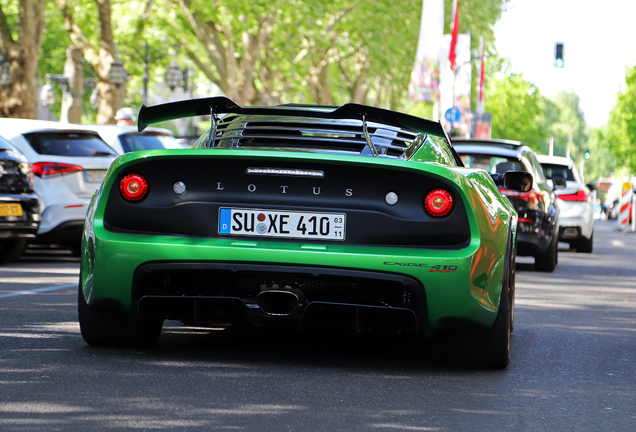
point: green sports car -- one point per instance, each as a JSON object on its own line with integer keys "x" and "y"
{"x": 349, "y": 218}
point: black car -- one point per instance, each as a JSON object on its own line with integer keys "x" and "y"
{"x": 538, "y": 225}
{"x": 19, "y": 205}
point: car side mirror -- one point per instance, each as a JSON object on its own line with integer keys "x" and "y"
{"x": 592, "y": 186}
{"x": 518, "y": 181}
{"x": 558, "y": 182}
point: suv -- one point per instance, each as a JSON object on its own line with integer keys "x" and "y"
{"x": 125, "y": 139}
{"x": 69, "y": 165}
{"x": 576, "y": 202}
{"x": 538, "y": 225}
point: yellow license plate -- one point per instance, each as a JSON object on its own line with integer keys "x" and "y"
{"x": 10, "y": 210}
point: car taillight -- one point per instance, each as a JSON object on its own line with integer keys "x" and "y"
{"x": 133, "y": 187}
{"x": 579, "y": 196}
{"x": 532, "y": 197}
{"x": 52, "y": 169}
{"x": 438, "y": 203}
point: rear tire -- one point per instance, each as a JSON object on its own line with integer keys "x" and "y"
{"x": 106, "y": 328}
{"x": 486, "y": 348}
{"x": 494, "y": 344}
{"x": 10, "y": 250}
{"x": 548, "y": 261}
{"x": 585, "y": 245}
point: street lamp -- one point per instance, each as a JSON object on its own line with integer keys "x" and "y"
{"x": 174, "y": 75}
{"x": 117, "y": 74}
{"x": 148, "y": 56}
{"x": 47, "y": 94}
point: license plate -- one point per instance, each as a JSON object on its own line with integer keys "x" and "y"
{"x": 282, "y": 223}
{"x": 94, "y": 176}
{"x": 10, "y": 210}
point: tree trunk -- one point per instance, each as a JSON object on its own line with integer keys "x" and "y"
{"x": 73, "y": 98}
{"x": 20, "y": 98}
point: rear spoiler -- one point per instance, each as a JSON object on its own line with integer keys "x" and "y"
{"x": 222, "y": 105}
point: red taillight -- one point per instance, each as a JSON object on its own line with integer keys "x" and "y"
{"x": 52, "y": 169}
{"x": 133, "y": 187}
{"x": 532, "y": 197}
{"x": 438, "y": 203}
{"x": 579, "y": 196}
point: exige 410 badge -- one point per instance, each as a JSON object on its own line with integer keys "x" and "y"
{"x": 433, "y": 269}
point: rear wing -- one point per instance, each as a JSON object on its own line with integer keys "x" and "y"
{"x": 222, "y": 105}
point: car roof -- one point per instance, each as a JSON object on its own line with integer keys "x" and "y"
{"x": 511, "y": 144}
{"x": 11, "y": 127}
{"x": 555, "y": 160}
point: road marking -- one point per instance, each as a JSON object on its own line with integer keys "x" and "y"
{"x": 37, "y": 290}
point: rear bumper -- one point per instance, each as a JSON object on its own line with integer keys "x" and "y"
{"x": 24, "y": 226}
{"x": 212, "y": 281}
{"x": 57, "y": 215}
{"x": 532, "y": 244}
{"x": 306, "y": 297}
{"x": 66, "y": 233}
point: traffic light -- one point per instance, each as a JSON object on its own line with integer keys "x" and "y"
{"x": 587, "y": 154}
{"x": 558, "y": 55}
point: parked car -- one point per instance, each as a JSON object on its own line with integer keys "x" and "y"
{"x": 19, "y": 205}
{"x": 69, "y": 165}
{"x": 538, "y": 209}
{"x": 576, "y": 202}
{"x": 125, "y": 139}
{"x": 349, "y": 218}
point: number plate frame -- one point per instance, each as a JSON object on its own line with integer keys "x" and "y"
{"x": 273, "y": 223}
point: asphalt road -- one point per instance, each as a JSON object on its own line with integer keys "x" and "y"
{"x": 573, "y": 364}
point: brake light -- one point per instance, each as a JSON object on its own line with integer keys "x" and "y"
{"x": 579, "y": 196}
{"x": 532, "y": 197}
{"x": 53, "y": 169}
{"x": 133, "y": 187}
{"x": 438, "y": 203}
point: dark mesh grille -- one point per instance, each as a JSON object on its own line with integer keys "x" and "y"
{"x": 312, "y": 135}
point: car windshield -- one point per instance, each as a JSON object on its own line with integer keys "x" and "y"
{"x": 492, "y": 164}
{"x": 136, "y": 142}
{"x": 558, "y": 170}
{"x": 69, "y": 144}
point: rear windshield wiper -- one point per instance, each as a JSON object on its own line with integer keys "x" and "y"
{"x": 103, "y": 153}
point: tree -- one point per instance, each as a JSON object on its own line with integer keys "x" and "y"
{"x": 98, "y": 51}
{"x": 602, "y": 161}
{"x": 21, "y": 30}
{"x": 621, "y": 136}
{"x": 517, "y": 109}
{"x": 564, "y": 122}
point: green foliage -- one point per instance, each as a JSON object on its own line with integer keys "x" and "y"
{"x": 365, "y": 49}
{"x": 565, "y": 123}
{"x": 517, "y": 108}
{"x": 621, "y": 136}
{"x": 602, "y": 161}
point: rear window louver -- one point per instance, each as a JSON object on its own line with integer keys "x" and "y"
{"x": 312, "y": 135}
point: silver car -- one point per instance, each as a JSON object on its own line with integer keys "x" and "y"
{"x": 576, "y": 202}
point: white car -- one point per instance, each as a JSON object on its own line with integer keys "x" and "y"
{"x": 576, "y": 201}
{"x": 125, "y": 139}
{"x": 69, "y": 165}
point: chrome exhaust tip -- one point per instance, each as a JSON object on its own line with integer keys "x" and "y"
{"x": 278, "y": 302}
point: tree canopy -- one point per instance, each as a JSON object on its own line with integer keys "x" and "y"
{"x": 621, "y": 135}
{"x": 256, "y": 52}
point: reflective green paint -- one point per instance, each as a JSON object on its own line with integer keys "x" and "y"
{"x": 471, "y": 292}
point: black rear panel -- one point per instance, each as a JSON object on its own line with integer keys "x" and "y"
{"x": 358, "y": 191}
{"x": 14, "y": 179}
